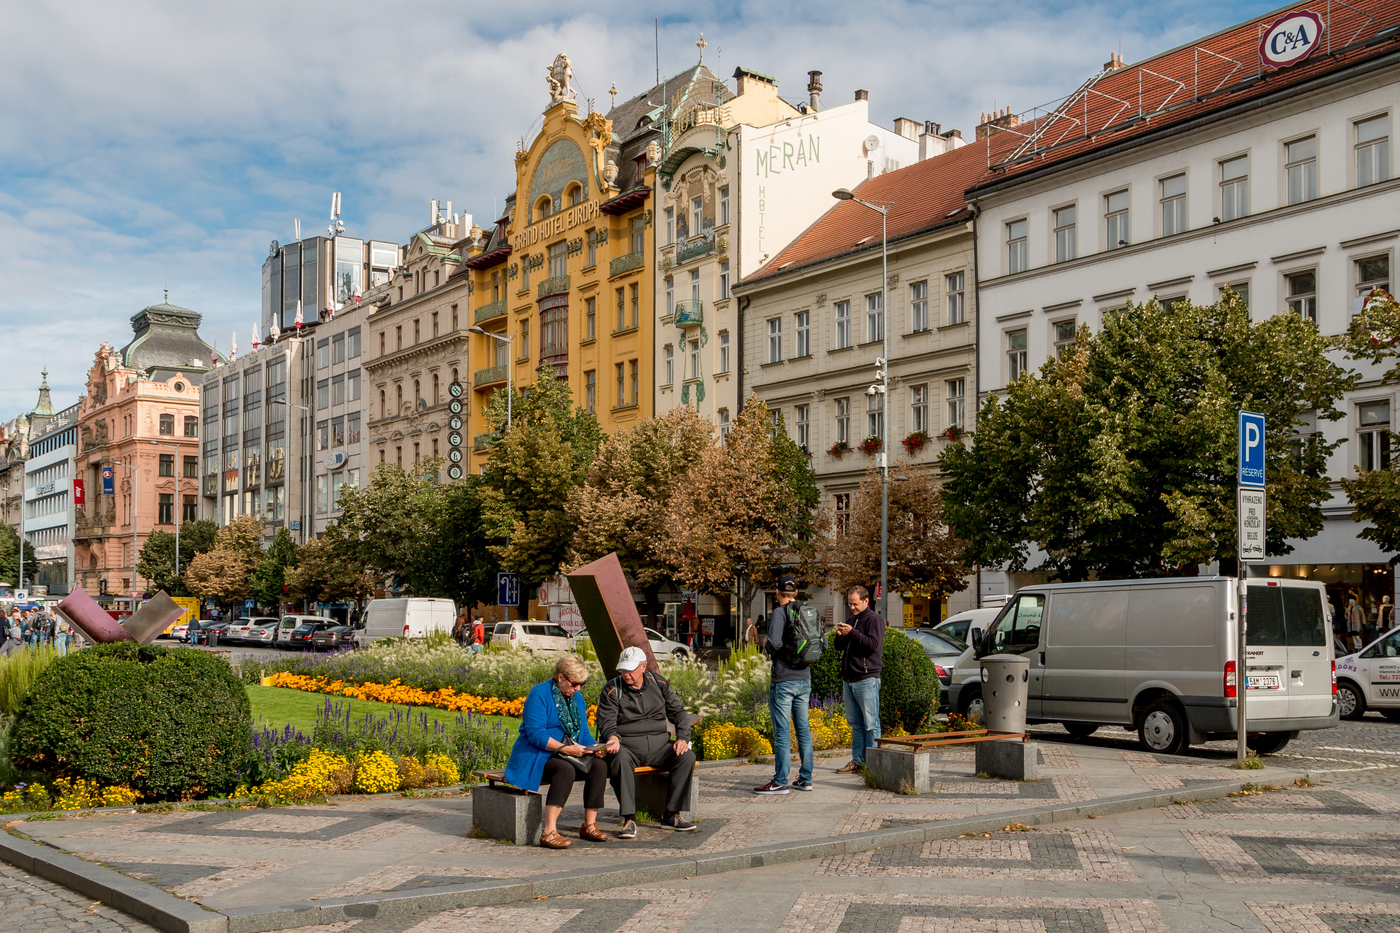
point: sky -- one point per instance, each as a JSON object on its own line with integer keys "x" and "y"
{"x": 151, "y": 145}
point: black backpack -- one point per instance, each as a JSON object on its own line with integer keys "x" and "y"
{"x": 803, "y": 641}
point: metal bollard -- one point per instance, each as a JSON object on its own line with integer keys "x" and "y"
{"x": 1005, "y": 687}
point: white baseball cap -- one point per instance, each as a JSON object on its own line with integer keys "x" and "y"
{"x": 631, "y": 659}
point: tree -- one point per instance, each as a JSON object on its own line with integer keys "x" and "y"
{"x": 268, "y": 582}
{"x": 388, "y": 522}
{"x": 923, "y": 553}
{"x": 157, "y": 560}
{"x": 222, "y": 573}
{"x": 329, "y": 570}
{"x": 1375, "y": 494}
{"x": 470, "y": 565}
{"x": 9, "y": 556}
{"x": 623, "y": 505}
{"x": 1118, "y": 458}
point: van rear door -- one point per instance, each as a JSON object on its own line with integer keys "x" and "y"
{"x": 1266, "y": 641}
{"x": 1309, "y": 652}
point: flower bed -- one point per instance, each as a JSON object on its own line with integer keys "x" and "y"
{"x": 395, "y": 692}
{"x": 64, "y": 794}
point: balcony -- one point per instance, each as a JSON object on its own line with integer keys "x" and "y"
{"x": 626, "y": 263}
{"x": 554, "y": 285}
{"x": 490, "y": 312}
{"x": 489, "y": 376}
{"x": 689, "y": 312}
{"x": 694, "y": 249}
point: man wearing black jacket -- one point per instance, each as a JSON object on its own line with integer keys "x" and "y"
{"x": 861, "y": 641}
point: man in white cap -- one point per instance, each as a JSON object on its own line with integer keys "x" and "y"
{"x": 635, "y": 713}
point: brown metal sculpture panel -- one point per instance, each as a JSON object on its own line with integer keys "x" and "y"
{"x": 609, "y": 612}
{"x": 154, "y": 617}
{"x": 83, "y": 613}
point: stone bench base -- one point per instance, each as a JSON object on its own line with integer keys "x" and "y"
{"x": 505, "y": 812}
{"x": 899, "y": 770}
{"x": 1013, "y": 761}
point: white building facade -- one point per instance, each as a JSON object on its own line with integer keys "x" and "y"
{"x": 49, "y": 503}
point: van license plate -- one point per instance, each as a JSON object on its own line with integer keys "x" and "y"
{"x": 1263, "y": 682}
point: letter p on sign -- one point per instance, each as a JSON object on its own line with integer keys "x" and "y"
{"x": 1251, "y": 441}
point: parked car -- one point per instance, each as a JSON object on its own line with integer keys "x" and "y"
{"x": 262, "y": 633}
{"x": 405, "y": 618}
{"x": 943, "y": 650}
{"x": 962, "y": 625}
{"x": 534, "y": 637}
{"x": 1159, "y": 656}
{"x": 282, "y": 635}
{"x": 663, "y": 647}
{"x": 240, "y": 630}
{"x": 179, "y": 632}
{"x": 301, "y": 635}
{"x": 1370, "y": 678}
{"x": 332, "y": 637}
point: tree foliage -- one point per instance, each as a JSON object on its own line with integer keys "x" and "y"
{"x": 157, "y": 559}
{"x": 268, "y": 582}
{"x": 1118, "y": 457}
{"x": 9, "y": 555}
{"x": 222, "y": 572}
{"x": 329, "y": 570}
{"x": 1374, "y": 338}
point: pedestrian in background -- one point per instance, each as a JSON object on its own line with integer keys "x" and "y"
{"x": 861, "y": 641}
{"x": 459, "y": 627}
{"x": 479, "y": 633}
{"x": 788, "y": 697}
{"x": 62, "y": 636}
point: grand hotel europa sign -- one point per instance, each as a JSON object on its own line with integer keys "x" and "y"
{"x": 1291, "y": 38}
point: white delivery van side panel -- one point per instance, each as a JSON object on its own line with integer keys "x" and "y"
{"x": 384, "y": 618}
{"x": 1178, "y": 641}
{"x": 1083, "y": 657}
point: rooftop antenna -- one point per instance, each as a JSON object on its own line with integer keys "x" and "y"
{"x": 336, "y": 225}
{"x": 296, "y": 229}
{"x": 656, "y": 30}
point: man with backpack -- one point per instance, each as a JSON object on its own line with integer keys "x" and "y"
{"x": 794, "y": 644}
{"x": 861, "y": 639}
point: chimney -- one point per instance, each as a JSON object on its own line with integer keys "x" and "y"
{"x": 814, "y": 87}
{"x": 906, "y": 127}
{"x": 1114, "y": 63}
{"x": 862, "y": 95}
{"x": 997, "y": 121}
{"x": 749, "y": 81}
{"x": 933, "y": 141}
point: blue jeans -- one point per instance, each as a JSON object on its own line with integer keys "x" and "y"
{"x": 862, "y": 700}
{"x": 787, "y": 704}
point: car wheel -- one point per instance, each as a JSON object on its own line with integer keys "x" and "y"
{"x": 1350, "y": 701}
{"x": 970, "y": 704}
{"x": 1163, "y": 729}
{"x": 1081, "y": 730}
{"x": 1267, "y": 743}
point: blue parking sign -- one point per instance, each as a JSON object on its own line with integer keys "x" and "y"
{"x": 1251, "y": 441}
{"x": 507, "y": 589}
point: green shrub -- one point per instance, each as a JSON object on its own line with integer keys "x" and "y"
{"x": 908, "y": 683}
{"x": 18, "y": 671}
{"x": 167, "y": 722}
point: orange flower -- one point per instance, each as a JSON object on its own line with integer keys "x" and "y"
{"x": 403, "y": 695}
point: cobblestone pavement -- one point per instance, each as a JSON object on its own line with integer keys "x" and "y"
{"x": 33, "y": 905}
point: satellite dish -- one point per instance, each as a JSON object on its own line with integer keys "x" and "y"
{"x": 872, "y": 142}
{"x": 272, "y": 250}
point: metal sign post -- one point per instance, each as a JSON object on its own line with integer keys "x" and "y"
{"x": 1251, "y": 537}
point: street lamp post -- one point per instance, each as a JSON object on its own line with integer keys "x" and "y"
{"x": 510, "y": 382}
{"x": 883, "y": 390}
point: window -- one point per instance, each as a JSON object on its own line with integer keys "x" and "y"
{"x": 670, "y": 225}
{"x": 554, "y": 332}
{"x": 802, "y": 330}
{"x": 454, "y": 317}
{"x": 191, "y": 426}
{"x": 634, "y": 380}
{"x": 590, "y": 390}
{"x": 352, "y": 343}
{"x": 875, "y": 317}
{"x": 956, "y": 308}
{"x": 1115, "y": 212}
{"x": 524, "y": 275}
{"x": 639, "y": 231}
{"x": 843, "y": 421}
{"x": 875, "y": 415}
{"x": 1373, "y": 436}
{"x": 590, "y": 319}
{"x": 775, "y": 340}
{"x": 843, "y": 512}
{"x": 918, "y": 408}
{"x": 1372, "y": 150}
{"x": 724, "y": 205}
{"x": 696, "y": 221}
{"x": 167, "y": 509}
{"x": 621, "y": 309}
{"x": 337, "y": 432}
{"x": 383, "y": 407}
{"x": 1301, "y": 291}
{"x": 843, "y": 324}
{"x": 417, "y": 330}
{"x": 724, "y": 422}
{"x": 189, "y": 511}
{"x": 352, "y": 386}
{"x": 167, "y": 464}
{"x": 338, "y": 390}
{"x": 191, "y": 467}
{"x": 502, "y": 351}
{"x": 636, "y": 294}
{"x": 323, "y": 435}
{"x": 352, "y": 428}
{"x": 918, "y": 306}
{"x": 1234, "y": 187}
{"x": 775, "y": 421}
{"x": 1015, "y": 354}
{"x": 592, "y": 237}
{"x": 1016, "y": 247}
{"x": 398, "y": 336}
{"x": 1174, "y": 204}
{"x": 167, "y": 424}
{"x": 1064, "y": 336}
{"x": 382, "y": 338}
{"x": 1018, "y": 628}
{"x": 621, "y": 385}
{"x": 338, "y": 348}
{"x": 524, "y": 352}
{"x": 1373, "y": 272}
{"x": 724, "y": 279}
{"x": 1301, "y": 169}
{"x": 957, "y": 401}
{"x": 398, "y": 395}
{"x": 723, "y": 351}
{"x": 321, "y": 498}
{"x": 558, "y": 261}
{"x": 323, "y": 353}
{"x": 668, "y": 365}
{"x": 670, "y": 295}
{"x": 1065, "y": 248}
{"x": 802, "y": 421}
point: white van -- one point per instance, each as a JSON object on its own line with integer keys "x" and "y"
{"x": 533, "y": 637}
{"x": 1158, "y": 656}
{"x": 405, "y": 618}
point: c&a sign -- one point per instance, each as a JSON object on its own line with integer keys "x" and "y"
{"x": 1291, "y": 39}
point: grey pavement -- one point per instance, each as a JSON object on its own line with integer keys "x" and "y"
{"x": 33, "y": 905}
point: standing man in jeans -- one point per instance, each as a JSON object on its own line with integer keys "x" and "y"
{"x": 861, "y": 641}
{"x": 787, "y": 697}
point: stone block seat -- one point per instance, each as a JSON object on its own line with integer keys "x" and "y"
{"x": 504, "y": 811}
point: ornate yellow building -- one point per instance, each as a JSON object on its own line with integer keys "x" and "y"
{"x": 566, "y": 276}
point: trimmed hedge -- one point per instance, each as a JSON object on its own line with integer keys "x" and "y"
{"x": 908, "y": 683}
{"x": 167, "y": 722}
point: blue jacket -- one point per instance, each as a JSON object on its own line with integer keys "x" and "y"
{"x": 538, "y": 724}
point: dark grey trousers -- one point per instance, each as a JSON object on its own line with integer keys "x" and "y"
{"x": 655, "y": 751}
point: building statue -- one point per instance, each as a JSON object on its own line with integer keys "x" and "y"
{"x": 560, "y": 78}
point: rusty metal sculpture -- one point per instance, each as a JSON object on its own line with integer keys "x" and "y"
{"x": 144, "y": 626}
{"x": 609, "y": 612}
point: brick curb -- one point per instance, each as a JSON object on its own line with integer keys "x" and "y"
{"x": 166, "y": 912}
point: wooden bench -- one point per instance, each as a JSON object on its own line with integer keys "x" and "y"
{"x": 503, "y": 811}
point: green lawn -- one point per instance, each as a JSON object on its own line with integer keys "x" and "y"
{"x": 281, "y": 706}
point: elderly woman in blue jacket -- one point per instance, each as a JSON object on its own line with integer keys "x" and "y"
{"x": 553, "y": 748}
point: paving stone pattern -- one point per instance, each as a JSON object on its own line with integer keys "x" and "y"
{"x": 882, "y": 913}
{"x": 33, "y": 905}
{"x": 1298, "y": 858}
{"x": 1057, "y": 855}
{"x": 1336, "y": 917}
{"x": 1316, "y": 803}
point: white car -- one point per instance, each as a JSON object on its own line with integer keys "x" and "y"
{"x": 244, "y": 630}
{"x": 534, "y": 637}
{"x": 964, "y": 625}
{"x": 1370, "y": 679}
{"x": 663, "y": 647}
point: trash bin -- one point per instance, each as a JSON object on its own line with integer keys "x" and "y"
{"x": 1005, "y": 687}
{"x": 212, "y": 640}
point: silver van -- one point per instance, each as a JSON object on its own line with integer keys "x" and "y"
{"x": 1159, "y": 657}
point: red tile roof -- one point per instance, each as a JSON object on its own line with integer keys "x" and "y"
{"x": 1191, "y": 83}
{"x": 922, "y": 197}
